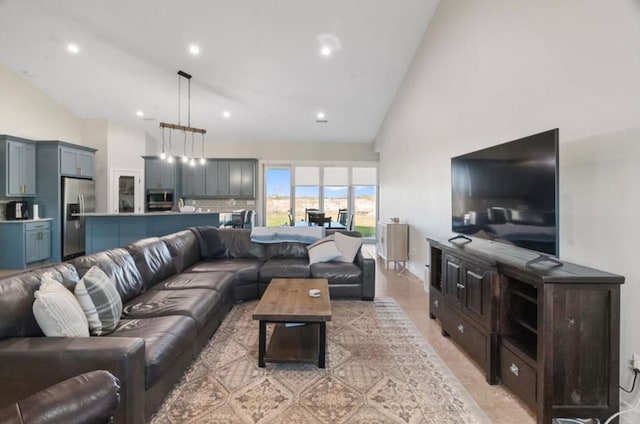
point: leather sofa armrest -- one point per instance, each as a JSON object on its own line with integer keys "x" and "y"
{"x": 29, "y": 364}
{"x": 368, "y": 266}
{"x": 87, "y": 398}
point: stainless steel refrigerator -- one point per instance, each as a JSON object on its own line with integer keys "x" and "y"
{"x": 78, "y": 196}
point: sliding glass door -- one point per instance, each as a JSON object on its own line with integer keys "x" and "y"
{"x": 278, "y": 196}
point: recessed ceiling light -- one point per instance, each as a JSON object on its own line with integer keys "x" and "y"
{"x": 325, "y": 51}
{"x": 194, "y": 50}
{"x": 73, "y": 48}
{"x": 226, "y": 114}
{"x": 320, "y": 115}
{"x": 140, "y": 113}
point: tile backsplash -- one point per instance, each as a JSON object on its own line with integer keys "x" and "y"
{"x": 221, "y": 205}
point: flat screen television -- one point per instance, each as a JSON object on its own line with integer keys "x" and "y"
{"x": 509, "y": 193}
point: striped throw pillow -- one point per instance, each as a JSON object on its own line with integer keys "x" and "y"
{"x": 57, "y": 311}
{"x": 100, "y": 301}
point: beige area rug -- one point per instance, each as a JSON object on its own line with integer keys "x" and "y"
{"x": 379, "y": 370}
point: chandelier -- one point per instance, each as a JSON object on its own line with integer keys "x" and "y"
{"x": 184, "y": 129}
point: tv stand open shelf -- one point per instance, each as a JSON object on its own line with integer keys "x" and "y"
{"x": 549, "y": 333}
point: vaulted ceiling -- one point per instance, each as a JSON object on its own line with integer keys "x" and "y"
{"x": 259, "y": 60}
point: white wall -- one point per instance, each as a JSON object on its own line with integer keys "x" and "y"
{"x": 492, "y": 71}
{"x": 269, "y": 151}
{"x": 95, "y": 134}
{"x": 27, "y": 112}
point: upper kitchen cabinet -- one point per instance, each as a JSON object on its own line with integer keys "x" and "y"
{"x": 217, "y": 178}
{"x": 18, "y": 158}
{"x": 77, "y": 162}
{"x": 193, "y": 180}
{"x": 159, "y": 174}
{"x": 242, "y": 175}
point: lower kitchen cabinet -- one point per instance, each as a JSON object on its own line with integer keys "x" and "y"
{"x": 24, "y": 243}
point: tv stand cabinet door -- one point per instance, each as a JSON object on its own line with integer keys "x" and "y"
{"x": 453, "y": 285}
{"x": 477, "y": 293}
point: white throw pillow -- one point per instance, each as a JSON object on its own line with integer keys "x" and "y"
{"x": 324, "y": 250}
{"x": 348, "y": 246}
{"x": 100, "y": 300}
{"x": 57, "y": 311}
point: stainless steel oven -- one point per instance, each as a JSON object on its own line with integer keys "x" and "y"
{"x": 159, "y": 200}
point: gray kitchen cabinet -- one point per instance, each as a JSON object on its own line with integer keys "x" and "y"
{"x": 75, "y": 162}
{"x": 25, "y": 243}
{"x": 217, "y": 178}
{"x": 19, "y": 163}
{"x": 242, "y": 179}
{"x": 159, "y": 174}
{"x": 193, "y": 180}
{"x": 37, "y": 241}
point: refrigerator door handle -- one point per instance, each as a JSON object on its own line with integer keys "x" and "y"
{"x": 81, "y": 197}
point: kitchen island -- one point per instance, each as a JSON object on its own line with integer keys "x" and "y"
{"x": 108, "y": 230}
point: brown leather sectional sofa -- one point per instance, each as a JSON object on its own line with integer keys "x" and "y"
{"x": 175, "y": 290}
{"x": 89, "y": 398}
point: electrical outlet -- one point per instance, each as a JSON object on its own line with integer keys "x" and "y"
{"x": 635, "y": 361}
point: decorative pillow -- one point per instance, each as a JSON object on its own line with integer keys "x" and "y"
{"x": 324, "y": 250}
{"x": 348, "y": 246}
{"x": 57, "y": 311}
{"x": 100, "y": 301}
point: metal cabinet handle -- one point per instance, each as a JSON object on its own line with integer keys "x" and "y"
{"x": 436, "y": 303}
{"x": 460, "y": 286}
{"x": 461, "y": 328}
{"x": 514, "y": 369}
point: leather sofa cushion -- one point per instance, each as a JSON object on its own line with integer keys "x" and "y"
{"x": 199, "y": 304}
{"x": 184, "y": 248}
{"x": 284, "y": 268}
{"x": 286, "y": 251}
{"x": 17, "y": 295}
{"x": 91, "y": 397}
{"x": 209, "y": 241}
{"x": 165, "y": 338}
{"x": 219, "y": 281}
{"x": 245, "y": 270}
{"x": 119, "y": 267}
{"x": 153, "y": 260}
{"x": 337, "y": 272}
{"x": 238, "y": 244}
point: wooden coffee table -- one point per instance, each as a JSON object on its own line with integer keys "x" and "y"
{"x": 287, "y": 301}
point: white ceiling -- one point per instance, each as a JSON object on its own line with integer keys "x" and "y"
{"x": 259, "y": 59}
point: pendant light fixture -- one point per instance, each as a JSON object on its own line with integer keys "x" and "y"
{"x": 179, "y": 127}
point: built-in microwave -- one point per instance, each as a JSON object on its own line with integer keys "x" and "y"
{"x": 159, "y": 200}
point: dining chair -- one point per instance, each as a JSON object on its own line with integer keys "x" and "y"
{"x": 343, "y": 216}
{"x": 310, "y": 211}
{"x": 350, "y": 223}
{"x": 316, "y": 218}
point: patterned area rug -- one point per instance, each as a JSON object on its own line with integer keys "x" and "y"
{"x": 379, "y": 370}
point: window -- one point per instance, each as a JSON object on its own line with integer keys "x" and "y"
{"x": 327, "y": 188}
{"x": 278, "y": 196}
{"x": 307, "y": 191}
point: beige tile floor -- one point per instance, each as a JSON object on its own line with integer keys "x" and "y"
{"x": 497, "y": 402}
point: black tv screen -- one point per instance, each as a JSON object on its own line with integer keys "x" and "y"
{"x": 509, "y": 193}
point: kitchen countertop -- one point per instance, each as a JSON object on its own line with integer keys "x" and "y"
{"x": 169, "y": 213}
{"x": 22, "y": 221}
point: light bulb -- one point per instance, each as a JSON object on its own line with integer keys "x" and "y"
{"x": 163, "y": 155}
{"x": 192, "y": 162}
{"x": 203, "y": 161}
{"x": 184, "y": 159}
{"x": 170, "y": 159}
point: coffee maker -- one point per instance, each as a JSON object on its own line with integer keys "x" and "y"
{"x": 17, "y": 210}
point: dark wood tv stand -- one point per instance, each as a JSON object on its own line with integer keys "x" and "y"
{"x": 550, "y": 334}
